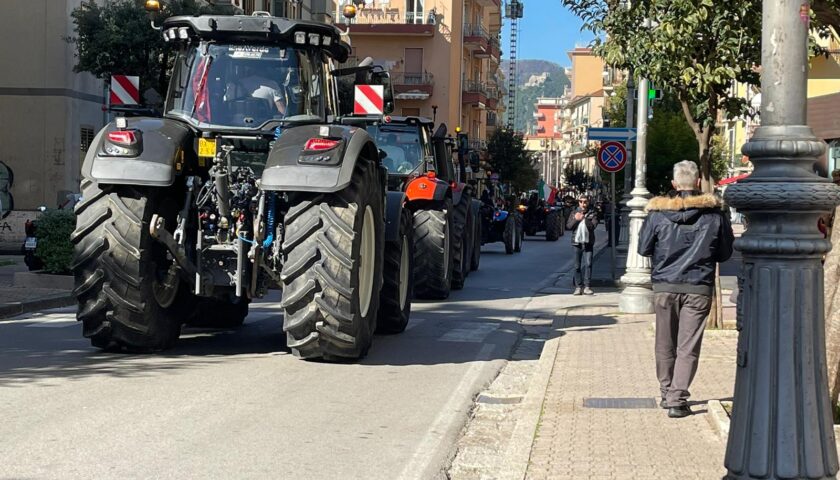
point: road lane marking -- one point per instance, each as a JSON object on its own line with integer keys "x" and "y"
{"x": 431, "y": 442}
{"x": 471, "y": 332}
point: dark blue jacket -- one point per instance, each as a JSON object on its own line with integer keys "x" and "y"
{"x": 686, "y": 234}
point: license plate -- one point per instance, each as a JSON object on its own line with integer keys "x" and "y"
{"x": 206, "y": 147}
{"x": 31, "y": 243}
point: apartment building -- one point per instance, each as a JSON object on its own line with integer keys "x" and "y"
{"x": 48, "y": 113}
{"x": 443, "y": 56}
{"x": 547, "y": 138}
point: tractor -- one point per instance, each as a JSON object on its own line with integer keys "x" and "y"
{"x": 541, "y": 216}
{"x": 250, "y": 181}
{"x": 445, "y": 214}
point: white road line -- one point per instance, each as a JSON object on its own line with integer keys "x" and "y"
{"x": 53, "y": 324}
{"x": 471, "y": 332}
{"x": 431, "y": 442}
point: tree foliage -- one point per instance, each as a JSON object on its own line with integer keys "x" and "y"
{"x": 511, "y": 160}
{"x": 695, "y": 48}
{"x": 670, "y": 140}
{"x": 115, "y": 37}
{"x": 55, "y": 228}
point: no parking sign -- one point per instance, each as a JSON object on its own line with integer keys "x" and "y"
{"x": 612, "y": 157}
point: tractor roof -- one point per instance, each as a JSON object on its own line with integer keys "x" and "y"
{"x": 261, "y": 29}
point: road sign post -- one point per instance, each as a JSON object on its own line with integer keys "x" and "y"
{"x": 612, "y": 157}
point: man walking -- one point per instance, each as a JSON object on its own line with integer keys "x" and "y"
{"x": 686, "y": 233}
{"x": 582, "y": 221}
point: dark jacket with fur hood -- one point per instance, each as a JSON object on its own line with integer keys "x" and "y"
{"x": 686, "y": 234}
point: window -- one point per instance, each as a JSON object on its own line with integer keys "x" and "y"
{"x": 86, "y": 138}
{"x": 414, "y": 11}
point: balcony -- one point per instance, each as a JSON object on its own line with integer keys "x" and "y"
{"x": 377, "y": 19}
{"x": 479, "y": 41}
{"x": 478, "y": 145}
{"x": 494, "y": 95}
{"x": 475, "y": 93}
{"x": 492, "y": 120}
{"x": 412, "y": 86}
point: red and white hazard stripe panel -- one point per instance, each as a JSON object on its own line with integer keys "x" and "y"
{"x": 125, "y": 90}
{"x": 369, "y": 100}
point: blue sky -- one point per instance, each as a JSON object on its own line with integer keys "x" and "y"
{"x": 546, "y": 32}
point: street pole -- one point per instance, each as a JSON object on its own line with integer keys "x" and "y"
{"x": 637, "y": 296}
{"x": 781, "y": 423}
{"x": 624, "y": 234}
{"x": 613, "y": 208}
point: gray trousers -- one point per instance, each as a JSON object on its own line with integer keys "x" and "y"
{"x": 680, "y": 322}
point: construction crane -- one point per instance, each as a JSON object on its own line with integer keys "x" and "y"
{"x": 513, "y": 10}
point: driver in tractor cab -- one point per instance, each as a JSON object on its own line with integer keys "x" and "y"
{"x": 252, "y": 80}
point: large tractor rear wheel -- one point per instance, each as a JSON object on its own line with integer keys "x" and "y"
{"x": 332, "y": 274}
{"x": 553, "y": 227}
{"x": 433, "y": 262}
{"x": 129, "y": 298}
{"x": 461, "y": 243}
{"x": 510, "y": 235}
{"x": 475, "y": 258}
{"x": 397, "y": 279}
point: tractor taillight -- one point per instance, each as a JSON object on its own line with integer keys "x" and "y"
{"x": 320, "y": 144}
{"x": 123, "y": 137}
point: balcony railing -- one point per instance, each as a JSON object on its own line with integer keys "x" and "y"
{"x": 473, "y": 86}
{"x": 492, "y": 120}
{"x": 478, "y": 144}
{"x": 476, "y": 30}
{"x": 395, "y": 15}
{"x": 419, "y": 79}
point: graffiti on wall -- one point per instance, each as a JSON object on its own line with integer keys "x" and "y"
{"x": 7, "y": 180}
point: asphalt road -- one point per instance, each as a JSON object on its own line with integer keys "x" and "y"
{"x": 236, "y": 404}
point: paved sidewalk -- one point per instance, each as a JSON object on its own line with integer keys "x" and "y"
{"x": 17, "y": 300}
{"x": 602, "y": 354}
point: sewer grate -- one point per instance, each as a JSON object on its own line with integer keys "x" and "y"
{"x": 619, "y": 403}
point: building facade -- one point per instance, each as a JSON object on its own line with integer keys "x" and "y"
{"x": 49, "y": 113}
{"x": 443, "y": 56}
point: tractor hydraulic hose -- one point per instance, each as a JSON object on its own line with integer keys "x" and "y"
{"x": 271, "y": 207}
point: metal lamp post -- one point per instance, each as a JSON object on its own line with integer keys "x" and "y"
{"x": 782, "y": 417}
{"x": 637, "y": 296}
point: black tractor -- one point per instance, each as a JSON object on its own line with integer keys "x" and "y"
{"x": 248, "y": 182}
{"x": 541, "y": 216}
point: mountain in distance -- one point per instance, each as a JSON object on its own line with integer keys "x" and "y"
{"x": 526, "y": 68}
{"x": 526, "y": 97}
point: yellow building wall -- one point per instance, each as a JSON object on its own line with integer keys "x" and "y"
{"x": 587, "y": 73}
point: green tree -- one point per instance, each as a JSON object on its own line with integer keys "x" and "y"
{"x": 511, "y": 160}
{"x": 670, "y": 140}
{"x": 115, "y": 37}
{"x": 694, "y": 48}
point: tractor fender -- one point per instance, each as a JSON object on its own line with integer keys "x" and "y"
{"x": 394, "y": 204}
{"x": 162, "y": 143}
{"x": 290, "y": 168}
{"x": 427, "y": 189}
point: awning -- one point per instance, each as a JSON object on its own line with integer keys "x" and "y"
{"x": 727, "y": 181}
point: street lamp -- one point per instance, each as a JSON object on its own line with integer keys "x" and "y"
{"x": 782, "y": 417}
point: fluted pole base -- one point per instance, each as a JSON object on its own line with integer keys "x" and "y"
{"x": 637, "y": 296}
{"x": 782, "y": 422}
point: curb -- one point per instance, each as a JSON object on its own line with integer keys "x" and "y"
{"x": 13, "y": 309}
{"x": 718, "y": 419}
{"x": 517, "y": 456}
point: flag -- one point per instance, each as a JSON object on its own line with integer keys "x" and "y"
{"x": 546, "y": 192}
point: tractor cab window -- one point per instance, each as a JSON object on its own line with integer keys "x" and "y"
{"x": 402, "y": 145}
{"x": 244, "y": 86}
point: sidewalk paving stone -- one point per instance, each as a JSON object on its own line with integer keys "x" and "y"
{"x": 603, "y": 354}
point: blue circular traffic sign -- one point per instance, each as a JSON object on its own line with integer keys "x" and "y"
{"x": 612, "y": 156}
